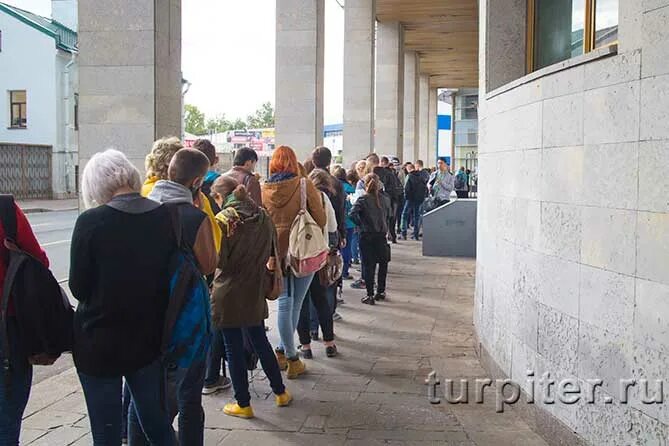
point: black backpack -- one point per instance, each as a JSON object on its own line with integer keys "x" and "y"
{"x": 43, "y": 312}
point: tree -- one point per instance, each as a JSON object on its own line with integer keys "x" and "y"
{"x": 262, "y": 118}
{"x": 238, "y": 124}
{"x": 218, "y": 124}
{"x": 194, "y": 120}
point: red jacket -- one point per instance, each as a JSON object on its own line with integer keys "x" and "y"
{"x": 26, "y": 241}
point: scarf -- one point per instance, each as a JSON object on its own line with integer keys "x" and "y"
{"x": 229, "y": 218}
{"x": 280, "y": 176}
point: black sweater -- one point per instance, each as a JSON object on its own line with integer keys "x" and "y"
{"x": 119, "y": 273}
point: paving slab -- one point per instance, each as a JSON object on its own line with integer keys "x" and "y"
{"x": 373, "y": 393}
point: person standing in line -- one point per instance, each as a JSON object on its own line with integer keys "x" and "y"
{"x": 215, "y": 378}
{"x": 318, "y": 293}
{"x": 186, "y": 173}
{"x": 158, "y": 161}
{"x": 238, "y": 298}
{"x": 15, "y": 392}
{"x": 243, "y": 168}
{"x": 347, "y": 251}
{"x": 120, "y": 273}
{"x": 442, "y": 183}
{"x": 370, "y": 212}
{"x": 281, "y": 196}
{"x": 415, "y": 191}
{"x": 391, "y": 188}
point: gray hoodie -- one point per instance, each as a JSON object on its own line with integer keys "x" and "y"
{"x": 166, "y": 191}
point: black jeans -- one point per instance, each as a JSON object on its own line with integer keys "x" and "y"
{"x": 234, "y": 349}
{"x": 14, "y": 395}
{"x": 318, "y": 294}
{"x": 373, "y": 249}
{"x": 392, "y": 221}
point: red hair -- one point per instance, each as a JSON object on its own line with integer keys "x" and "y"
{"x": 284, "y": 160}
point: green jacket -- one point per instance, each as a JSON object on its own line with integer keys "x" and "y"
{"x": 238, "y": 296}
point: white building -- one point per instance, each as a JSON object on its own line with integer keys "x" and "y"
{"x": 38, "y": 93}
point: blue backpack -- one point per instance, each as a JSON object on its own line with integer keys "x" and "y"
{"x": 187, "y": 331}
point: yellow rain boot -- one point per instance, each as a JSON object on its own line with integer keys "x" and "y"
{"x": 295, "y": 368}
{"x": 284, "y": 399}
{"x": 234, "y": 410}
{"x": 281, "y": 359}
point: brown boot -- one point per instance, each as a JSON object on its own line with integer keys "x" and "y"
{"x": 281, "y": 359}
{"x": 295, "y": 368}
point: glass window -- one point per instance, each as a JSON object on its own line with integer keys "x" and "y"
{"x": 18, "y": 109}
{"x": 606, "y": 22}
{"x": 562, "y": 29}
{"x": 559, "y": 29}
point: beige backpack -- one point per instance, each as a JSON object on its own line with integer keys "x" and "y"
{"x": 307, "y": 247}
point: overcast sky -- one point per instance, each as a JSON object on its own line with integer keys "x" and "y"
{"x": 228, "y": 54}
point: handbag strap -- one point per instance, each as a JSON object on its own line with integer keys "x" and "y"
{"x": 303, "y": 194}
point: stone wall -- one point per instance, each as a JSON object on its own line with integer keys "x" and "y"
{"x": 573, "y": 229}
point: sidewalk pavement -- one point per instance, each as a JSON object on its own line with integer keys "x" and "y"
{"x": 34, "y": 206}
{"x": 373, "y": 393}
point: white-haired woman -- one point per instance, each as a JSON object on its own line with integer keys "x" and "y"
{"x": 119, "y": 273}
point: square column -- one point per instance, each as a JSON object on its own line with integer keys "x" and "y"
{"x": 129, "y": 76}
{"x": 300, "y": 50}
{"x": 409, "y": 118}
{"x": 389, "y": 121}
{"x": 421, "y": 139}
{"x": 359, "y": 24}
{"x": 432, "y": 128}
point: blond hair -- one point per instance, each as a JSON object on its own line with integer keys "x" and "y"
{"x": 158, "y": 160}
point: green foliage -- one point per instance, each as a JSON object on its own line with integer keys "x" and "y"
{"x": 194, "y": 120}
{"x": 197, "y": 123}
{"x": 262, "y": 118}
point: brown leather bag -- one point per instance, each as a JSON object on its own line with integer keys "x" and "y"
{"x": 332, "y": 271}
{"x": 274, "y": 274}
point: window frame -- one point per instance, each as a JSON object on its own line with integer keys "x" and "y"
{"x": 22, "y": 107}
{"x": 588, "y": 33}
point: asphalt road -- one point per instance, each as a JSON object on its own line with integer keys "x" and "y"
{"x": 54, "y": 232}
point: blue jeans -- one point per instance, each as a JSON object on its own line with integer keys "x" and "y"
{"x": 184, "y": 397}
{"x": 215, "y": 359}
{"x": 355, "y": 245}
{"x": 411, "y": 209}
{"x": 13, "y": 399}
{"x": 288, "y": 311}
{"x": 103, "y": 400}
{"x": 347, "y": 252}
{"x": 234, "y": 348}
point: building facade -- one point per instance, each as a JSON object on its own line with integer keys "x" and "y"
{"x": 573, "y": 225}
{"x": 39, "y": 94}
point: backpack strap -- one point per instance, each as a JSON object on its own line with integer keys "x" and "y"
{"x": 303, "y": 194}
{"x": 175, "y": 218}
{"x": 8, "y": 216}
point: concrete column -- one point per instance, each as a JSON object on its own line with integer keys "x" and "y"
{"x": 408, "y": 143}
{"x": 129, "y": 75}
{"x": 432, "y": 128}
{"x": 422, "y": 112}
{"x": 389, "y": 120}
{"x": 300, "y": 49}
{"x": 359, "y": 24}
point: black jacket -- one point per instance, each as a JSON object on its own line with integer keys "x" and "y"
{"x": 415, "y": 190}
{"x": 391, "y": 184}
{"x": 369, "y": 217}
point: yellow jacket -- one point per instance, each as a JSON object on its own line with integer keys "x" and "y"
{"x": 205, "y": 206}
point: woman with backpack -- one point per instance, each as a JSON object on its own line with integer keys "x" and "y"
{"x": 370, "y": 213}
{"x": 238, "y": 297}
{"x": 282, "y": 197}
{"x": 318, "y": 292}
{"x": 14, "y": 397}
{"x": 120, "y": 273}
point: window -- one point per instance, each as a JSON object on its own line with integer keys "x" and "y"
{"x": 561, "y": 29}
{"x": 17, "y": 109}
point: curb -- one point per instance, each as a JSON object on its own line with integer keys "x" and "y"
{"x": 43, "y": 210}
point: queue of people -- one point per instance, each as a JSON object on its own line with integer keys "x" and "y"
{"x": 240, "y": 236}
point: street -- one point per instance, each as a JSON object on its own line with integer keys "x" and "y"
{"x": 54, "y": 231}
